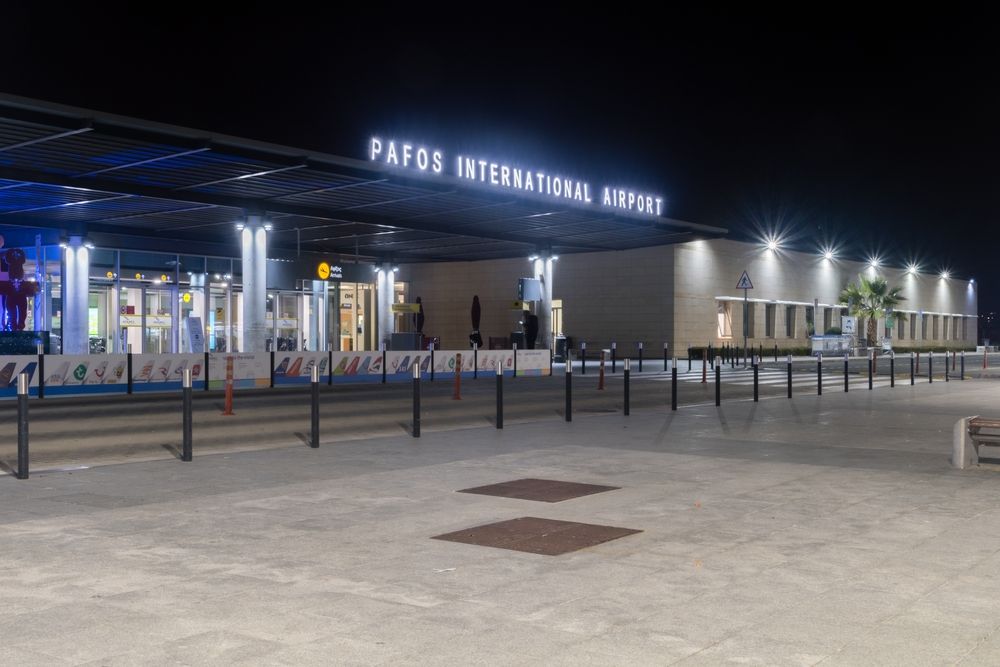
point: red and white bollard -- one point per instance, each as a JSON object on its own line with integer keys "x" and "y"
{"x": 229, "y": 387}
{"x": 600, "y": 382}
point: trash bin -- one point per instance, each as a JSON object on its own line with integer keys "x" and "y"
{"x": 563, "y": 343}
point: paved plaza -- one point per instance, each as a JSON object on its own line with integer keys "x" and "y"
{"x": 819, "y": 530}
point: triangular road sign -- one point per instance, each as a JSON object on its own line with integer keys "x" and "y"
{"x": 744, "y": 282}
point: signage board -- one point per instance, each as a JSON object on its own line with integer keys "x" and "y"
{"x": 406, "y": 307}
{"x": 195, "y": 337}
{"x": 517, "y": 305}
{"x": 849, "y": 325}
{"x": 744, "y": 282}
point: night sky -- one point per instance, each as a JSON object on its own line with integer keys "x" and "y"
{"x": 874, "y": 130}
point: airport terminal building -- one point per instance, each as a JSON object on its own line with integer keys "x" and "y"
{"x": 121, "y": 234}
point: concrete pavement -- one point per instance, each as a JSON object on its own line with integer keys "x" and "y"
{"x": 822, "y": 530}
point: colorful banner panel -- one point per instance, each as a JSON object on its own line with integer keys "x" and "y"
{"x": 249, "y": 370}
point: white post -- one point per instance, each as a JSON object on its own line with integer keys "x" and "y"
{"x": 76, "y": 298}
{"x": 254, "y": 242}
{"x": 385, "y": 288}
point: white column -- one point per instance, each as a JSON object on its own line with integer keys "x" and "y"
{"x": 254, "y": 237}
{"x": 543, "y": 271}
{"x": 76, "y": 298}
{"x": 385, "y": 288}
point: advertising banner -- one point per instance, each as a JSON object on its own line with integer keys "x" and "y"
{"x": 12, "y": 366}
{"x": 249, "y": 370}
{"x": 296, "y": 367}
{"x": 164, "y": 372}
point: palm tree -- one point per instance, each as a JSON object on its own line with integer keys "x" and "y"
{"x": 871, "y": 299}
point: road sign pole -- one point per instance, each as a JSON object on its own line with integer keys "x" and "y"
{"x": 745, "y": 310}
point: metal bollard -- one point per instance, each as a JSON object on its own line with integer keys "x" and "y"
{"x": 946, "y": 378}
{"x": 775, "y": 353}
{"x": 819, "y": 374}
{"x": 600, "y": 381}
{"x": 930, "y": 367}
{"x": 847, "y": 374}
{"x": 432, "y": 362}
{"x": 789, "y": 376}
{"x": 416, "y": 400}
{"x": 475, "y": 361}
{"x": 229, "y": 387}
{"x": 457, "y": 396}
{"x": 704, "y": 366}
{"x": 569, "y": 386}
{"x": 186, "y": 454}
{"x": 718, "y": 385}
{"x": 892, "y": 369}
{"x": 514, "y": 374}
{"x": 128, "y": 369}
{"x": 673, "y": 385}
{"x": 626, "y": 371}
{"x": 871, "y": 365}
{"x": 22, "y": 425}
{"x": 755, "y": 378}
{"x": 41, "y": 370}
{"x": 314, "y": 442}
{"x": 912, "y": 376}
{"x": 640, "y": 357}
{"x": 499, "y": 396}
{"x": 382, "y": 345}
{"x": 614, "y": 368}
{"x": 689, "y": 357}
{"x": 963, "y": 365}
{"x": 583, "y": 358}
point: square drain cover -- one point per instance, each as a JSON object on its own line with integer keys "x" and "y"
{"x": 543, "y": 490}
{"x": 547, "y": 537}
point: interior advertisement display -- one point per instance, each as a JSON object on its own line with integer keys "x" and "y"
{"x": 296, "y": 367}
{"x": 357, "y": 366}
{"x": 249, "y": 370}
{"x": 163, "y": 372}
{"x": 534, "y": 362}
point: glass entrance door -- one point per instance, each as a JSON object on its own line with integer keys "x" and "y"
{"x": 159, "y": 321}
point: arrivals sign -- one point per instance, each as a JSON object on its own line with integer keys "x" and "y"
{"x": 513, "y": 176}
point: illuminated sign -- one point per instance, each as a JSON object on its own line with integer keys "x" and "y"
{"x": 505, "y": 176}
{"x": 326, "y": 271}
{"x": 404, "y": 155}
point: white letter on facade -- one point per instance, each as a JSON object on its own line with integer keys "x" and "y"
{"x": 505, "y": 176}
{"x": 658, "y": 202}
{"x": 482, "y": 171}
{"x": 607, "y": 197}
{"x": 517, "y": 178}
{"x": 422, "y": 164}
{"x": 392, "y": 154}
{"x": 437, "y": 164}
{"x": 376, "y": 147}
{"x": 578, "y": 194}
{"x": 406, "y": 154}
{"x": 493, "y": 174}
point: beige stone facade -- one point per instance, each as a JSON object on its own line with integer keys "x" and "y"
{"x": 676, "y": 294}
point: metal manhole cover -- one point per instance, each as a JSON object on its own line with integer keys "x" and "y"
{"x": 547, "y": 537}
{"x": 542, "y": 490}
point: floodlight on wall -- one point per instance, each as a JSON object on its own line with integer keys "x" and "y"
{"x": 912, "y": 269}
{"x": 532, "y": 258}
{"x": 771, "y": 243}
{"x": 376, "y": 268}
{"x": 63, "y": 242}
{"x": 554, "y": 257}
{"x": 945, "y": 275}
{"x": 268, "y": 226}
{"x": 828, "y": 254}
{"x": 240, "y": 226}
{"x": 395, "y": 267}
{"x": 875, "y": 261}
{"x": 87, "y": 243}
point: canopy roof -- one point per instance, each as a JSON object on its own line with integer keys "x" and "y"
{"x": 158, "y": 186}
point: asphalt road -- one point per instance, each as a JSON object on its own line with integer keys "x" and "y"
{"x": 96, "y": 430}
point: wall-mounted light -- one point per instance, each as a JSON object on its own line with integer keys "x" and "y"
{"x": 912, "y": 269}
{"x": 63, "y": 242}
{"x": 532, "y": 258}
{"x": 376, "y": 268}
{"x": 239, "y": 226}
{"x": 828, "y": 254}
{"x": 268, "y": 226}
{"x": 771, "y": 243}
{"x": 874, "y": 262}
{"x": 554, "y": 257}
{"x": 395, "y": 268}
{"x": 945, "y": 275}
{"x": 972, "y": 281}
{"x": 87, "y": 243}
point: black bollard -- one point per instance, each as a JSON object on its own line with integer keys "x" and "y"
{"x": 963, "y": 364}
{"x": 626, "y": 369}
{"x": 499, "y": 396}
{"x": 673, "y": 386}
{"x": 819, "y": 374}
{"x": 912, "y": 377}
{"x": 583, "y": 358}
{"x": 22, "y": 425}
{"x": 314, "y": 441}
{"x": 755, "y": 395}
{"x": 718, "y": 385}
{"x": 689, "y": 357}
{"x": 514, "y": 374}
{"x": 569, "y": 386}
{"x": 775, "y": 353}
{"x": 789, "y": 376}
{"x": 870, "y": 365}
{"x": 475, "y": 361}
{"x": 432, "y": 360}
{"x": 188, "y": 394}
{"x": 640, "y": 357}
{"x": 128, "y": 369}
{"x": 847, "y": 374}
{"x": 930, "y": 367}
{"x": 946, "y": 378}
{"x": 711, "y": 358}
{"x": 892, "y": 369}
{"x": 383, "y": 364}
{"x": 416, "y": 400}
{"x": 41, "y": 371}
{"x": 613, "y": 364}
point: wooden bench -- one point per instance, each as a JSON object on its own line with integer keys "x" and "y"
{"x": 969, "y": 435}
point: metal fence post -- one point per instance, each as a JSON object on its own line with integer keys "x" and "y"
{"x": 626, "y": 371}
{"x": 673, "y": 385}
{"x": 314, "y": 442}
{"x": 569, "y": 386}
{"x": 416, "y": 400}
{"x": 186, "y": 453}
{"x": 22, "y": 426}
{"x": 499, "y": 396}
{"x": 789, "y": 376}
{"x": 819, "y": 374}
{"x": 718, "y": 385}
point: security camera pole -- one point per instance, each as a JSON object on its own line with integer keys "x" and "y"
{"x": 745, "y": 284}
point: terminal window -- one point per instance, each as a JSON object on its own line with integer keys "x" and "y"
{"x": 789, "y": 321}
{"x": 725, "y": 317}
{"x": 769, "y": 320}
